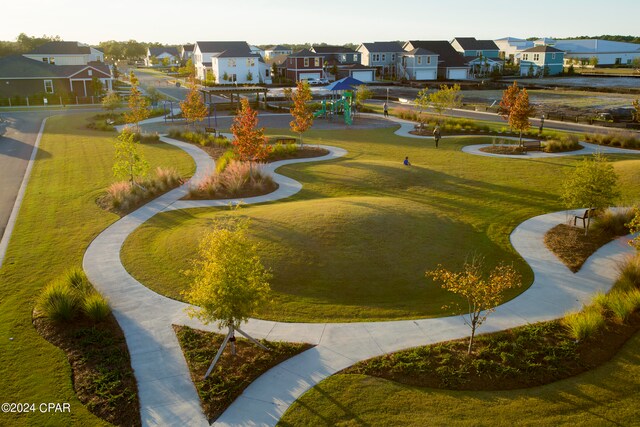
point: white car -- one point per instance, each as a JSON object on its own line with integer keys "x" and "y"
{"x": 314, "y": 82}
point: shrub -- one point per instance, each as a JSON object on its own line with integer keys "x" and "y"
{"x": 236, "y": 178}
{"x": 621, "y": 304}
{"x": 77, "y": 279}
{"x": 584, "y": 324}
{"x": 146, "y": 138}
{"x": 165, "y": 178}
{"x": 630, "y": 274}
{"x": 223, "y": 161}
{"x": 96, "y": 307}
{"x": 616, "y": 139}
{"x": 200, "y": 138}
{"x": 123, "y": 195}
{"x": 562, "y": 142}
{"x": 59, "y": 301}
{"x": 613, "y": 222}
{"x": 283, "y": 150}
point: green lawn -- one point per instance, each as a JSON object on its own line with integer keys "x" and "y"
{"x": 605, "y": 396}
{"x": 58, "y": 220}
{"x": 355, "y": 242}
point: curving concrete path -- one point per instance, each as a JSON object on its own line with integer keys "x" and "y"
{"x": 167, "y": 395}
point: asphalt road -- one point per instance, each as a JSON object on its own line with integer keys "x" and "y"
{"x": 18, "y": 134}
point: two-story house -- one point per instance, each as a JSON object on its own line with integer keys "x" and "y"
{"x": 380, "y": 55}
{"x": 483, "y": 56}
{"x": 340, "y": 62}
{"x": 159, "y": 55}
{"x": 278, "y": 50}
{"x": 451, "y": 65}
{"x": 65, "y": 53}
{"x": 304, "y": 65}
{"x": 418, "y": 64}
{"x": 541, "y": 61}
{"x": 186, "y": 52}
{"x": 511, "y": 47}
{"x": 229, "y": 62}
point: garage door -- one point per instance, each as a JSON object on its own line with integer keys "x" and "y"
{"x": 458, "y": 74}
{"x": 363, "y": 76}
{"x": 425, "y": 74}
{"x": 307, "y": 76}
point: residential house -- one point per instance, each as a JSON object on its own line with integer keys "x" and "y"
{"x": 256, "y": 49}
{"x": 511, "y": 47}
{"x": 186, "y": 52}
{"x": 65, "y": 53}
{"x": 304, "y": 65}
{"x": 482, "y": 56}
{"x": 157, "y": 55}
{"x": 229, "y": 62}
{"x": 451, "y": 65}
{"x": 25, "y": 77}
{"x": 346, "y": 62}
{"x": 607, "y": 52}
{"x": 380, "y": 55}
{"x": 541, "y": 60}
{"x": 278, "y": 50}
{"x": 418, "y": 64}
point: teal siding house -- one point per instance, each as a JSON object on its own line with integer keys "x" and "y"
{"x": 541, "y": 61}
{"x": 470, "y": 47}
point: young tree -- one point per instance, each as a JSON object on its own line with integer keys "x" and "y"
{"x": 229, "y": 281}
{"x": 225, "y": 76}
{"x": 96, "y": 85}
{"x": 129, "y": 161}
{"x": 302, "y": 115}
{"x": 249, "y": 141}
{"x": 520, "y": 113}
{"x": 274, "y": 72}
{"x": 446, "y": 98}
{"x": 634, "y": 228}
{"x": 362, "y": 94}
{"x": 482, "y": 293}
{"x": 249, "y": 76}
{"x": 636, "y": 106}
{"x": 592, "y": 184}
{"x": 165, "y": 62}
{"x": 111, "y": 102}
{"x": 138, "y": 104}
{"x": 210, "y": 80}
{"x": 422, "y": 102}
{"x": 509, "y": 96}
{"x": 593, "y": 61}
{"x": 193, "y": 108}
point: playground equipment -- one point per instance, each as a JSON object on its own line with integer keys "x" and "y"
{"x": 339, "y": 106}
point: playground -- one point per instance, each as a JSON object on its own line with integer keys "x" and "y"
{"x": 342, "y": 101}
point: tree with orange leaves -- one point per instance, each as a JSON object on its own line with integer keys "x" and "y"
{"x": 509, "y": 96}
{"x": 249, "y": 142}
{"x": 520, "y": 113}
{"x": 302, "y": 114}
{"x": 193, "y": 108}
{"x": 482, "y": 293}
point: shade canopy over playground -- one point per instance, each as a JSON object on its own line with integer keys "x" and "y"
{"x": 348, "y": 83}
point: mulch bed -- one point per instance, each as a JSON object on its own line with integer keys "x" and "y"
{"x": 104, "y": 201}
{"x": 523, "y": 357}
{"x": 572, "y": 247}
{"x": 102, "y": 376}
{"x": 231, "y": 375}
{"x": 243, "y": 193}
{"x": 504, "y": 149}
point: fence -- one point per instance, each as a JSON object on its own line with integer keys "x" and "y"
{"x": 38, "y": 101}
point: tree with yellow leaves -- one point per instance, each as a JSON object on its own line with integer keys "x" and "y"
{"x": 302, "y": 114}
{"x": 520, "y": 113}
{"x": 193, "y": 108}
{"x": 138, "y": 104}
{"x": 482, "y": 293}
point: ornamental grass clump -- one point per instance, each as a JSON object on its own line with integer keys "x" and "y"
{"x": 125, "y": 195}
{"x": 584, "y": 324}
{"x": 622, "y": 305}
{"x": 238, "y": 178}
{"x": 96, "y": 307}
{"x": 613, "y": 222}
{"x": 561, "y": 142}
{"x": 629, "y": 274}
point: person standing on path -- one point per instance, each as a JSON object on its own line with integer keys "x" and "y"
{"x": 436, "y": 134}
{"x": 385, "y": 108}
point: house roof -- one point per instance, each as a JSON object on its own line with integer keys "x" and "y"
{"x": 420, "y": 51}
{"x": 470, "y": 43}
{"x": 188, "y": 47}
{"x": 278, "y": 47}
{"x": 61, "y": 48}
{"x": 378, "y": 47}
{"x": 156, "y": 51}
{"x": 447, "y": 55}
{"x": 19, "y": 66}
{"x": 332, "y": 49}
{"x": 304, "y": 53}
{"x": 232, "y": 48}
{"x": 593, "y": 46}
{"x": 542, "y": 49}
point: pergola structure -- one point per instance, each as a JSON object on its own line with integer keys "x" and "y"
{"x": 230, "y": 91}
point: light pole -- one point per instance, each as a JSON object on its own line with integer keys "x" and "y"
{"x": 541, "y": 123}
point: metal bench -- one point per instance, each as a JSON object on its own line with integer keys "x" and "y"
{"x": 532, "y": 146}
{"x": 210, "y": 130}
{"x": 587, "y": 213}
{"x": 286, "y": 141}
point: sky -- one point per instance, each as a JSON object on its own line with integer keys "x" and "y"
{"x": 330, "y": 21}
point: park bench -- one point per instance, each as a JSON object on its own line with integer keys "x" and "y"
{"x": 587, "y": 213}
{"x": 286, "y": 141}
{"x": 532, "y": 146}
{"x": 110, "y": 122}
{"x": 210, "y": 130}
{"x": 419, "y": 127}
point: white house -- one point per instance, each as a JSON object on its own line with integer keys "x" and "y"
{"x": 186, "y": 52}
{"x": 607, "y": 52}
{"x": 65, "y": 53}
{"x": 278, "y": 50}
{"x": 229, "y": 62}
{"x": 382, "y": 56}
{"x": 451, "y": 65}
{"x": 256, "y": 49}
{"x": 156, "y": 55}
{"x": 511, "y": 47}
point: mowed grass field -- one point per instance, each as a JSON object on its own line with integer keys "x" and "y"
{"x": 58, "y": 219}
{"x": 606, "y": 396}
{"x": 355, "y": 243}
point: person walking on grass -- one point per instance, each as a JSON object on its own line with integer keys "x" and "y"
{"x": 385, "y": 108}
{"x": 436, "y": 134}
{"x": 406, "y": 161}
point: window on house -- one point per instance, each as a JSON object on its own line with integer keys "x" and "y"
{"x": 231, "y": 62}
{"x": 618, "y": 61}
{"x": 290, "y": 61}
{"x": 553, "y": 56}
{"x": 428, "y": 60}
{"x": 344, "y": 58}
{"x": 393, "y": 56}
{"x": 384, "y": 57}
{"x": 45, "y": 60}
{"x": 478, "y": 53}
{"x": 251, "y": 62}
{"x": 419, "y": 59}
{"x": 48, "y": 86}
{"x": 232, "y": 78}
{"x": 375, "y": 57}
{"x": 536, "y": 56}
{"x": 52, "y": 60}
{"x": 90, "y": 72}
{"x": 525, "y": 56}
{"x": 306, "y": 62}
{"x": 316, "y": 62}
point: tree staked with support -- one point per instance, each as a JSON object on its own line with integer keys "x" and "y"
{"x": 302, "y": 114}
{"x": 520, "y": 113}
{"x": 193, "y": 108}
{"x": 592, "y": 184}
{"x": 138, "y": 104}
{"x": 249, "y": 141}
{"x": 229, "y": 281}
{"x": 481, "y": 293}
{"x": 129, "y": 161}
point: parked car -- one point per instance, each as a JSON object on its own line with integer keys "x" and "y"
{"x": 314, "y": 82}
{"x": 324, "y": 81}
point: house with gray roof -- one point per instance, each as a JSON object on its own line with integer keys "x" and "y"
{"x": 380, "y": 55}
{"x": 229, "y": 62}
{"x": 157, "y": 55}
{"x": 344, "y": 62}
{"x": 511, "y": 47}
{"x": 607, "y": 52}
{"x": 277, "y": 50}
{"x": 186, "y": 52}
{"x": 482, "y": 56}
{"x": 65, "y": 53}
{"x": 451, "y": 65}
{"x": 541, "y": 61}
{"x": 26, "y": 77}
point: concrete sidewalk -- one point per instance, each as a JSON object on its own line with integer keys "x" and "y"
{"x": 167, "y": 395}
